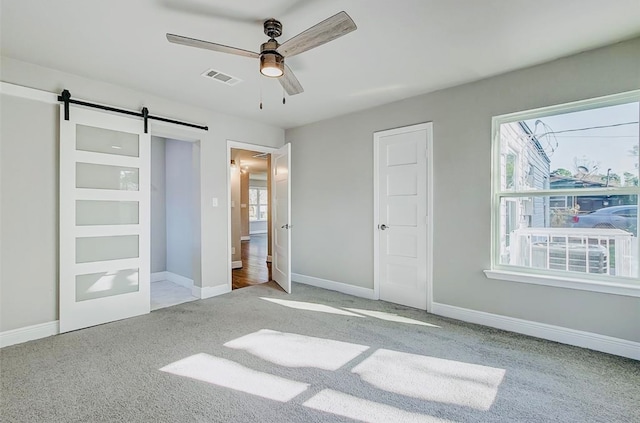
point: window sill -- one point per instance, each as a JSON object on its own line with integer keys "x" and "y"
{"x": 569, "y": 283}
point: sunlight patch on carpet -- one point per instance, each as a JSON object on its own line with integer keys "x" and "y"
{"x": 391, "y": 317}
{"x": 301, "y": 305}
{"x": 344, "y": 405}
{"x": 292, "y": 350}
{"x": 432, "y": 379}
{"x": 228, "y": 374}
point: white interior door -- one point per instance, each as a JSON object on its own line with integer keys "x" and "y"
{"x": 401, "y": 215}
{"x": 104, "y": 218}
{"x": 281, "y": 208}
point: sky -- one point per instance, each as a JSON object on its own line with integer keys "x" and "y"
{"x": 606, "y": 148}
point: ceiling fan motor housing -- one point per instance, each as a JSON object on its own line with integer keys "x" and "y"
{"x": 272, "y": 28}
{"x": 271, "y": 62}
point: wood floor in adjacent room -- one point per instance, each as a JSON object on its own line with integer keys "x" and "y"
{"x": 255, "y": 269}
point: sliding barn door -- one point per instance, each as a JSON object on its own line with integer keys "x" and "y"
{"x": 104, "y": 218}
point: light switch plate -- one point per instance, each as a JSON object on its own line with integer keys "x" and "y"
{"x": 214, "y": 202}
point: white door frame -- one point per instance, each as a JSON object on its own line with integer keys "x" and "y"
{"x": 428, "y": 126}
{"x": 240, "y": 146}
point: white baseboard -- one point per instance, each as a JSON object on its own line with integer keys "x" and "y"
{"x": 180, "y": 280}
{"x": 236, "y": 264}
{"x": 245, "y": 238}
{"x": 172, "y": 277}
{"x": 345, "y": 288}
{"x": 269, "y": 259}
{"x": 29, "y": 333}
{"x": 593, "y": 341}
{"x": 209, "y": 291}
{"x": 258, "y": 232}
{"x": 158, "y": 276}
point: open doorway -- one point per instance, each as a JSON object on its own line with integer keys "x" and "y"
{"x": 250, "y": 217}
{"x": 174, "y": 193}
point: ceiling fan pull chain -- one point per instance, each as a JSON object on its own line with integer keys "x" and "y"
{"x": 260, "y": 95}
{"x": 284, "y": 100}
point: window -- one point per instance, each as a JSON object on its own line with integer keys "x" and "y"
{"x": 258, "y": 203}
{"x": 565, "y": 191}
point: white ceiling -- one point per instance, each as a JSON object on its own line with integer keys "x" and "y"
{"x": 401, "y": 48}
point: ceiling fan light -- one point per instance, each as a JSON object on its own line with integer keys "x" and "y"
{"x": 271, "y": 65}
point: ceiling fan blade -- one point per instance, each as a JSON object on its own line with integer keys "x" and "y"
{"x": 192, "y": 42}
{"x": 327, "y": 30}
{"x": 289, "y": 82}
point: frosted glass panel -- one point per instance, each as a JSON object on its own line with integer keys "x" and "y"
{"x": 106, "y": 284}
{"x": 100, "y": 248}
{"x": 106, "y": 177}
{"x": 90, "y": 212}
{"x": 100, "y": 140}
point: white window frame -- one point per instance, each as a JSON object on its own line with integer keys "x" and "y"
{"x": 586, "y": 282}
{"x": 259, "y": 196}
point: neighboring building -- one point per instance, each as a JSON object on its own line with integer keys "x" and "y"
{"x": 525, "y": 166}
{"x": 583, "y": 203}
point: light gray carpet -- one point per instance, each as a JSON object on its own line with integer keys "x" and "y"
{"x": 285, "y": 364}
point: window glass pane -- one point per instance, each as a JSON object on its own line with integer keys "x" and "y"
{"x": 106, "y": 284}
{"x": 102, "y": 248}
{"x": 253, "y": 212}
{"x": 253, "y": 196}
{"x": 592, "y": 239}
{"x": 97, "y": 176}
{"x": 100, "y": 140}
{"x": 264, "y": 196}
{"x": 90, "y": 212}
{"x": 510, "y": 168}
{"x": 263, "y": 212}
{"x": 594, "y": 148}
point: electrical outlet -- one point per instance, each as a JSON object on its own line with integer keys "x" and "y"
{"x": 233, "y": 250}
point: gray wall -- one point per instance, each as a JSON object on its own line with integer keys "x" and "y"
{"x": 158, "y": 206}
{"x": 180, "y": 210}
{"x": 28, "y": 213}
{"x": 332, "y": 181}
{"x": 29, "y": 195}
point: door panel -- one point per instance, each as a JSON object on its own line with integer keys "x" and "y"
{"x": 104, "y": 218}
{"x": 401, "y": 209}
{"x": 281, "y": 206}
{"x": 98, "y": 176}
{"x": 97, "y": 212}
{"x": 106, "y": 284}
{"x": 100, "y": 140}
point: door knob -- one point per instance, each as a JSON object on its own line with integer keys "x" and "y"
{"x": 382, "y": 227}
{"x": 285, "y": 226}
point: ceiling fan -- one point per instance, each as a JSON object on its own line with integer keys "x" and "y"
{"x": 272, "y": 54}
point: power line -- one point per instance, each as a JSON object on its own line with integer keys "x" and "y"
{"x": 613, "y": 125}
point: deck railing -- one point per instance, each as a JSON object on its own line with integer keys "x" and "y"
{"x": 585, "y": 250}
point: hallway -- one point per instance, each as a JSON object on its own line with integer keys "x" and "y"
{"x": 255, "y": 269}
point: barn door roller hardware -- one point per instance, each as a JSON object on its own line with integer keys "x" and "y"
{"x": 65, "y": 97}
